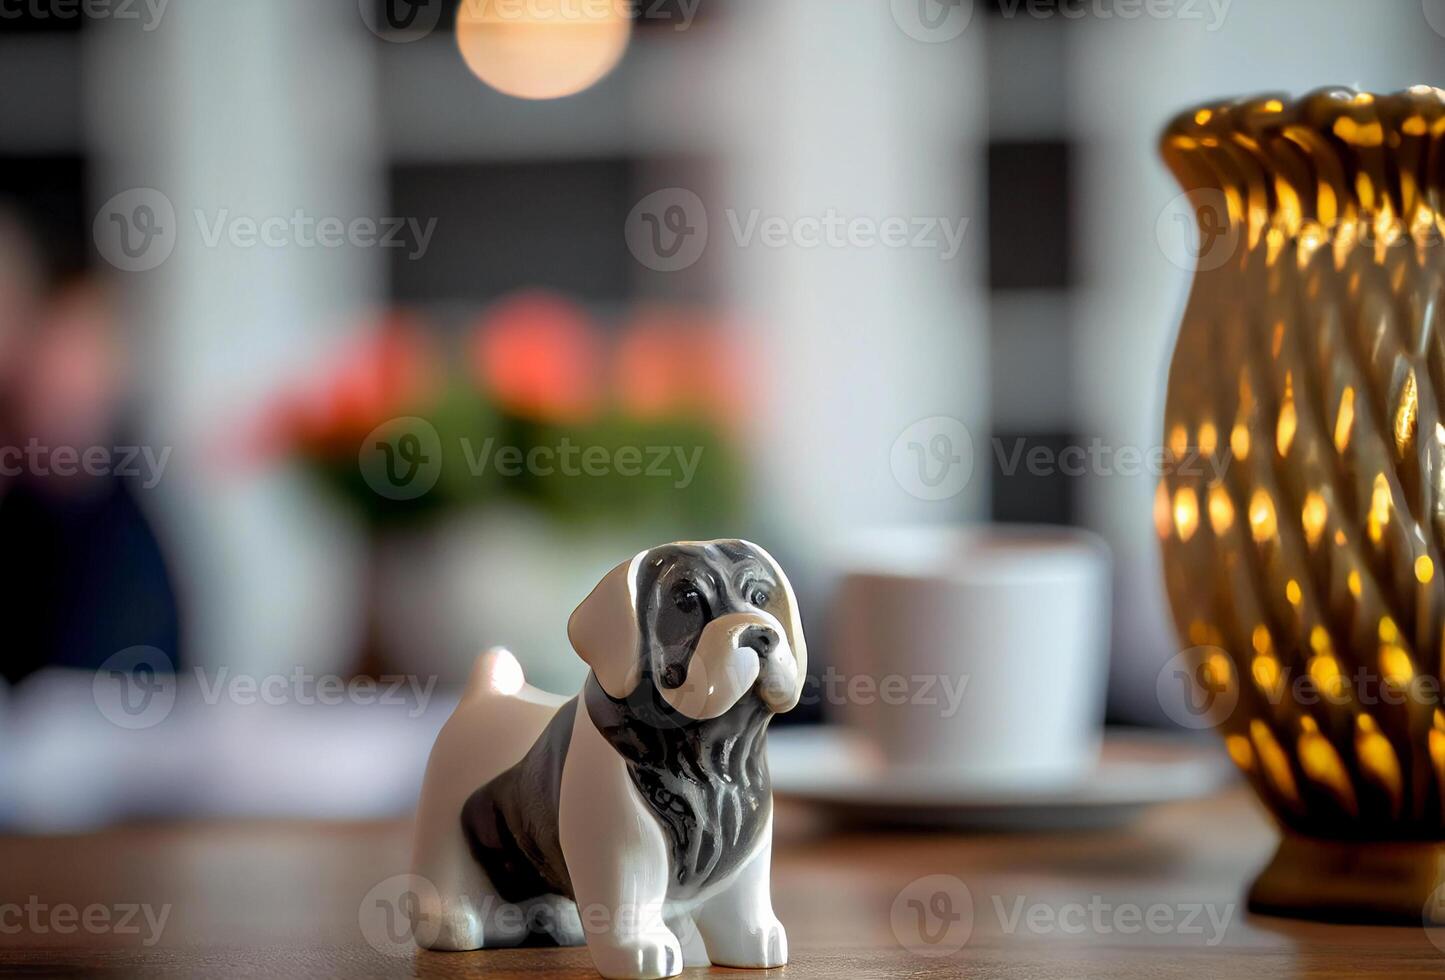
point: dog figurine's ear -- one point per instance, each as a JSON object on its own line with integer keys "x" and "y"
{"x": 604, "y": 632}
{"x": 790, "y": 617}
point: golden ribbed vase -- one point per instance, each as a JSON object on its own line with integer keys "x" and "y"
{"x": 1302, "y": 511}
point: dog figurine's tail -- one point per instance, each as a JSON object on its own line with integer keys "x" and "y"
{"x": 497, "y": 720}
{"x": 495, "y": 672}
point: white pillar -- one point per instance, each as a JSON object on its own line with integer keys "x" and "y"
{"x": 838, "y": 110}
{"x": 262, "y": 108}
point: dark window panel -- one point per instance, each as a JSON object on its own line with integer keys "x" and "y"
{"x": 558, "y": 224}
{"x": 694, "y": 282}
{"x": 1030, "y": 226}
{"x": 507, "y": 226}
{"x": 1032, "y": 493}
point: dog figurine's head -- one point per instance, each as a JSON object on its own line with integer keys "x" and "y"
{"x": 706, "y": 623}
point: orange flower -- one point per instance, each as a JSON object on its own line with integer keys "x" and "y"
{"x": 385, "y": 373}
{"x": 673, "y": 361}
{"x": 538, "y": 356}
{"x": 383, "y": 376}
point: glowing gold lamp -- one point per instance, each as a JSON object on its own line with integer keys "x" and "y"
{"x": 542, "y": 49}
{"x": 1311, "y": 364}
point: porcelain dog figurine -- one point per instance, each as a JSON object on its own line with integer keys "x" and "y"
{"x": 637, "y": 816}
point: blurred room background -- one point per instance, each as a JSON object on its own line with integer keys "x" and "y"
{"x": 239, "y": 240}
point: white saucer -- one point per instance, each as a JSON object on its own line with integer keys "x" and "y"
{"x": 843, "y": 773}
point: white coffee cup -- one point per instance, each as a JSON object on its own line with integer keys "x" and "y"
{"x": 979, "y": 653}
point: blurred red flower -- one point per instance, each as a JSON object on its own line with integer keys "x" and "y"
{"x": 539, "y": 356}
{"x": 674, "y": 361}
{"x": 387, "y": 372}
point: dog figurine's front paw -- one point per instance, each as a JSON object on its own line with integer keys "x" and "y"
{"x": 646, "y": 956}
{"x": 755, "y": 947}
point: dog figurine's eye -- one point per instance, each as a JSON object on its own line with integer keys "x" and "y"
{"x": 686, "y": 598}
{"x": 759, "y": 597}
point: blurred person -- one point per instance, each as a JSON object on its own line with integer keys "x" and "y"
{"x": 84, "y": 576}
{"x": 20, "y": 289}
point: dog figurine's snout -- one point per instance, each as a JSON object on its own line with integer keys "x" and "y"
{"x": 760, "y": 638}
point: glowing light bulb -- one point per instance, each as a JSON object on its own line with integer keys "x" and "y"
{"x": 542, "y": 49}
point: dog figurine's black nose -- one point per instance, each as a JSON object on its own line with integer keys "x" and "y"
{"x": 761, "y": 638}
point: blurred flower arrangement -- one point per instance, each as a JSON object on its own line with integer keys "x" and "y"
{"x": 534, "y": 405}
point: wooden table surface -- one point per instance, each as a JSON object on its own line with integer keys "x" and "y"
{"x": 1159, "y": 899}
